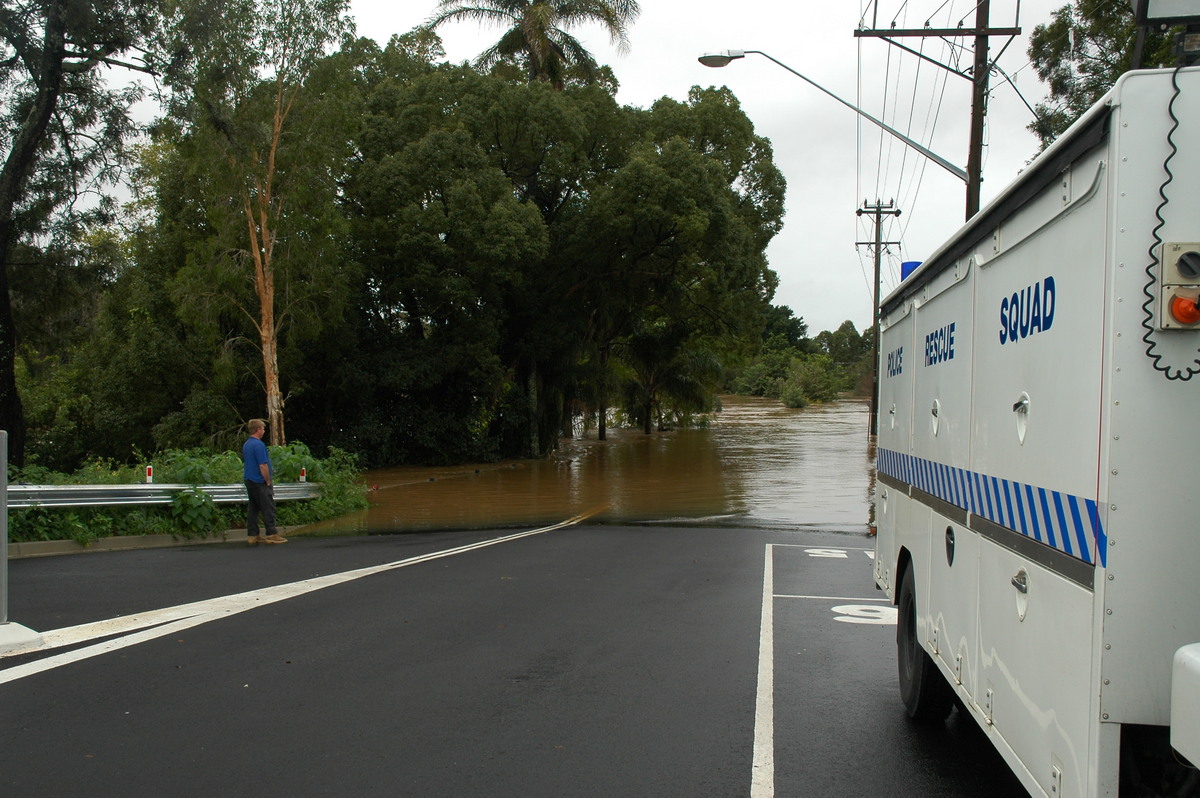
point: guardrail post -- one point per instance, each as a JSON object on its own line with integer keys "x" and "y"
{"x": 12, "y": 635}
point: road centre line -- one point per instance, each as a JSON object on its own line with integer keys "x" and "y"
{"x": 150, "y": 625}
{"x": 811, "y": 546}
{"x": 762, "y": 782}
{"x": 832, "y": 598}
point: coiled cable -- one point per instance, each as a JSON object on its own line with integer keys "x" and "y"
{"x": 1170, "y": 372}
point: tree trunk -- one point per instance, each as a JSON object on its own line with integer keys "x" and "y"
{"x": 647, "y": 422}
{"x": 264, "y": 287}
{"x": 602, "y": 410}
{"x": 534, "y": 419}
{"x": 12, "y": 415}
{"x": 21, "y": 160}
{"x": 270, "y": 346}
{"x": 567, "y": 417}
{"x": 261, "y": 214}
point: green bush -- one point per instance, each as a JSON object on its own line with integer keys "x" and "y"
{"x": 765, "y": 375}
{"x": 192, "y": 512}
{"x": 812, "y": 378}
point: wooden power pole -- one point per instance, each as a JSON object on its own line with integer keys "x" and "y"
{"x": 878, "y": 210}
{"x": 978, "y": 77}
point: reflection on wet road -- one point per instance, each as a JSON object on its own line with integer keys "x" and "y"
{"x": 757, "y": 464}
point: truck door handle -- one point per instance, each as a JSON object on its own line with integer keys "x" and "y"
{"x": 1021, "y": 581}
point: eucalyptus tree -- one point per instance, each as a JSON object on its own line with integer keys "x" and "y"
{"x": 536, "y": 35}
{"x": 268, "y": 144}
{"x": 1080, "y": 52}
{"x": 62, "y": 127}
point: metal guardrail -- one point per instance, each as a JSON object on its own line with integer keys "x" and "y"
{"x": 25, "y": 496}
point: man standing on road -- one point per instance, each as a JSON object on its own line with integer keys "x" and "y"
{"x": 258, "y": 473}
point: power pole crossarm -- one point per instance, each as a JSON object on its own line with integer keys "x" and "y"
{"x": 978, "y": 30}
{"x": 978, "y": 76}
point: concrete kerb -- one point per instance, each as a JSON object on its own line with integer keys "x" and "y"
{"x": 14, "y": 636}
{"x": 51, "y": 548}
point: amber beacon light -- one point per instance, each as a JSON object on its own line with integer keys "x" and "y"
{"x": 1185, "y": 310}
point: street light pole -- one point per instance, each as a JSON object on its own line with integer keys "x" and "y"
{"x": 723, "y": 59}
{"x": 878, "y": 210}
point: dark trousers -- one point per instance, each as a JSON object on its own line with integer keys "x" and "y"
{"x": 262, "y": 502}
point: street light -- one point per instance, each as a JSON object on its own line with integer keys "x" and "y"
{"x": 723, "y": 59}
{"x": 717, "y": 60}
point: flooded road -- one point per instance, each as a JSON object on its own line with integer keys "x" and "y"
{"x": 757, "y": 464}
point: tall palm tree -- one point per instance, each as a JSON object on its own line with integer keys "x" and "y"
{"x": 536, "y": 35}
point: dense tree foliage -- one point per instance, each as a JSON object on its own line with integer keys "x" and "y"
{"x": 260, "y": 128}
{"x": 516, "y": 241}
{"x": 1081, "y": 52}
{"x": 422, "y": 262}
{"x": 798, "y": 370}
{"x": 62, "y": 135}
{"x": 465, "y": 265}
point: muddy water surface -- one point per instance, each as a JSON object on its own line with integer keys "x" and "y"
{"x": 757, "y": 463}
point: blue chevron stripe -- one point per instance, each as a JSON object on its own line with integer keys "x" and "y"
{"x": 1063, "y": 521}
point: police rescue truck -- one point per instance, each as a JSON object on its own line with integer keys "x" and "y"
{"x": 1038, "y": 461}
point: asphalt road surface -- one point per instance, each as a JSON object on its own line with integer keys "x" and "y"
{"x": 578, "y": 661}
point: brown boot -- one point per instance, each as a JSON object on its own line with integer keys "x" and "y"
{"x": 276, "y": 538}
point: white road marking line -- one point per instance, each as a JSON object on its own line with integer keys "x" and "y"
{"x": 810, "y": 546}
{"x": 159, "y": 623}
{"x": 830, "y": 598}
{"x": 762, "y": 783}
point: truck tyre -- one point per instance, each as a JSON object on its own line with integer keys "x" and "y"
{"x": 927, "y": 696}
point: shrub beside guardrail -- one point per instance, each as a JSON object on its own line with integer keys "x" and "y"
{"x": 22, "y": 497}
{"x": 200, "y": 496}
{"x": 86, "y": 513}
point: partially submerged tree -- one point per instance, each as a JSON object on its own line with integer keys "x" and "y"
{"x": 474, "y": 242}
{"x": 662, "y": 362}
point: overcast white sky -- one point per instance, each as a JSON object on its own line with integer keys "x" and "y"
{"x": 832, "y": 159}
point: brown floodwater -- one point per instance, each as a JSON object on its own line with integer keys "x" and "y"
{"x": 757, "y": 463}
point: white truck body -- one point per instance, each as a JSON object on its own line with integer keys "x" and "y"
{"x": 1038, "y": 469}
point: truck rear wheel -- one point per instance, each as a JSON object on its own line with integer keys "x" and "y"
{"x": 926, "y": 695}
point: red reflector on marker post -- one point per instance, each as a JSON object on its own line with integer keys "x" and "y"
{"x": 303, "y": 474}
{"x": 149, "y": 474}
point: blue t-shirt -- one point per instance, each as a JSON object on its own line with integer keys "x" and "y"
{"x": 254, "y": 454}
